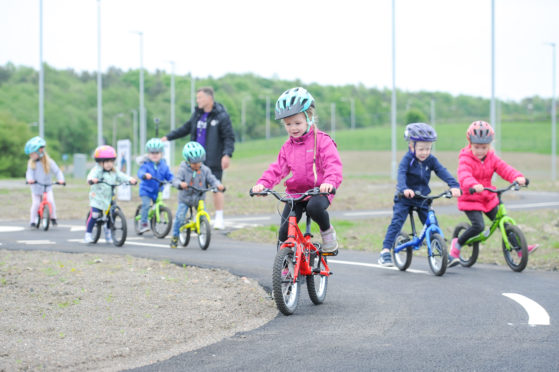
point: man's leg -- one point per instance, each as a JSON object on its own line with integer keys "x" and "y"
{"x": 219, "y": 201}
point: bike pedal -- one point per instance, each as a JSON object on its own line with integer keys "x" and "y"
{"x": 335, "y": 253}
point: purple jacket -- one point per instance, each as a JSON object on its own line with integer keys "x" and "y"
{"x": 296, "y": 157}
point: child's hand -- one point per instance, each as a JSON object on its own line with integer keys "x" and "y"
{"x": 94, "y": 180}
{"x": 408, "y": 193}
{"x": 258, "y": 188}
{"x": 478, "y": 187}
{"x": 221, "y": 187}
{"x": 183, "y": 185}
{"x": 30, "y": 181}
{"x": 455, "y": 192}
{"x": 132, "y": 181}
{"x": 521, "y": 181}
{"x": 326, "y": 187}
{"x": 147, "y": 176}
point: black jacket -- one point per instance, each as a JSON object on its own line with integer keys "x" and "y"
{"x": 220, "y": 139}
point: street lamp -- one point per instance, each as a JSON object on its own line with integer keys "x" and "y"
{"x": 135, "y": 149}
{"x": 243, "y": 117}
{"x": 99, "y": 80}
{"x": 41, "y": 75}
{"x": 172, "y": 148}
{"x": 333, "y": 120}
{"x": 267, "y": 116}
{"x": 142, "y": 108}
{"x": 114, "y": 127}
{"x": 553, "y": 120}
{"x": 352, "y": 110}
{"x": 393, "y": 110}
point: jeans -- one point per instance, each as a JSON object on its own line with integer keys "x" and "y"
{"x": 400, "y": 213}
{"x": 146, "y": 204}
{"x": 315, "y": 208}
{"x": 179, "y": 218}
{"x": 476, "y": 218}
{"x": 94, "y": 215}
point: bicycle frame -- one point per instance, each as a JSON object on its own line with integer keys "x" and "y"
{"x": 44, "y": 202}
{"x": 431, "y": 226}
{"x": 155, "y": 208}
{"x": 195, "y": 223}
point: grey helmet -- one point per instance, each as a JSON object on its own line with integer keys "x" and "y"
{"x": 420, "y": 132}
{"x": 293, "y": 101}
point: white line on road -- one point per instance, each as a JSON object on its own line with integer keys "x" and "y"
{"x": 128, "y": 242}
{"x": 265, "y": 218}
{"x": 532, "y": 205}
{"x": 376, "y": 266}
{"x": 11, "y": 228}
{"x": 369, "y": 213}
{"x": 35, "y": 242}
{"x": 536, "y": 313}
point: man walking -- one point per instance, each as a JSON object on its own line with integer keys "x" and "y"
{"x": 210, "y": 125}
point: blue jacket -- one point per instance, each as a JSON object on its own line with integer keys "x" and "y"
{"x": 160, "y": 171}
{"x": 415, "y": 175}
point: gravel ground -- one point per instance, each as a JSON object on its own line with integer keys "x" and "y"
{"x": 62, "y": 311}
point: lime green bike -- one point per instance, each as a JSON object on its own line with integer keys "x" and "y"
{"x": 159, "y": 216}
{"x": 514, "y": 244}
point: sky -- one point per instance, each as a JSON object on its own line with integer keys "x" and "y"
{"x": 441, "y": 45}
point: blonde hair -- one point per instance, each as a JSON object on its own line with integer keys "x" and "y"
{"x": 45, "y": 160}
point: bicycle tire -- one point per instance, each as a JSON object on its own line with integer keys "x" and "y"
{"x": 468, "y": 253}
{"x": 317, "y": 285}
{"x": 518, "y": 245}
{"x": 118, "y": 227}
{"x": 137, "y": 222}
{"x": 96, "y": 231}
{"x": 402, "y": 259}
{"x": 438, "y": 259}
{"x": 205, "y": 233}
{"x": 285, "y": 292}
{"x": 44, "y": 220}
{"x": 184, "y": 237}
{"x": 161, "y": 229}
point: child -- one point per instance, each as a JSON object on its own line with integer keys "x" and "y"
{"x": 191, "y": 173}
{"x": 311, "y": 157}
{"x": 476, "y": 164}
{"x": 41, "y": 168}
{"x": 151, "y": 166}
{"x": 100, "y": 193}
{"x": 414, "y": 174}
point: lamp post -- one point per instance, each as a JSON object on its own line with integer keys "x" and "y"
{"x": 553, "y": 120}
{"x": 393, "y": 110}
{"x": 192, "y": 93}
{"x": 114, "y": 127}
{"x": 41, "y": 75}
{"x": 493, "y": 110}
{"x": 99, "y": 80}
{"x": 135, "y": 149}
{"x": 333, "y": 120}
{"x": 172, "y": 144}
{"x": 267, "y": 116}
{"x": 352, "y": 111}
{"x": 142, "y": 108}
{"x": 243, "y": 117}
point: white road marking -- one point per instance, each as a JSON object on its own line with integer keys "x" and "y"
{"x": 369, "y": 213}
{"x": 265, "y": 218}
{"x": 10, "y": 228}
{"x": 35, "y": 242}
{"x": 376, "y": 266}
{"x": 536, "y": 313}
{"x": 532, "y": 205}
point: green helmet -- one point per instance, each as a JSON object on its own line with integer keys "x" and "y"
{"x": 193, "y": 152}
{"x": 154, "y": 145}
{"x": 293, "y": 101}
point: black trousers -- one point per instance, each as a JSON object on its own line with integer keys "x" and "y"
{"x": 476, "y": 218}
{"x": 316, "y": 208}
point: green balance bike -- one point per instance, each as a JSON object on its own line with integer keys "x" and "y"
{"x": 159, "y": 216}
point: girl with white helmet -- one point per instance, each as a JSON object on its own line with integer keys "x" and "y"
{"x": 40, "y": 169}
{"x": 312, "y": 159}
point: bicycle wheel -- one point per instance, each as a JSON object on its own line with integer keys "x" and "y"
{"x": 205, "y": 233}
{"x": 161, "y": 229}
{"x": 317, "y": 284}
{"x": 118, "y": 227}
{"x": 137, "y": 222}
{"x": 402, "y": 259}
{"x": 438, "y": 258}
{"x": 517, "y": 257}
{"x": 96, "y": 232}
{"x": 285, "y": 291}
{"x": 468, "y": 253}
{"x": 44, "y": 220}
{"x": 184, "y": 237}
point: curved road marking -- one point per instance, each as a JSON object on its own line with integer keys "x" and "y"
{"x": 536, "y": 313}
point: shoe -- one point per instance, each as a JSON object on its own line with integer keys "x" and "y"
{"x": 53, "y": 221}
{"x": 531, "y": 248}
{"x": 385, "y": 259}
{"x": 174, "y": 241}
{"x": 454, "y": 255}
{"x": 144, "y": 227}
{"x": 88, "y": 239}
{"x": 219, "y": 224}
{"x": 108, "y": 235}
{"x": 33, "y": 225}
{"x": 329, "y": 241}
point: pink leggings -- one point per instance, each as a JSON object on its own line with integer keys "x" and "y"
{"x": 36, "y": 201}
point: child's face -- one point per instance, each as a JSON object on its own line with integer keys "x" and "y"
{"x": 108, "y": 165}
{"x": 154, "y": 156}
{"x": 296, "y": 125}
{"x": 195, "y": 166}
{"x": 422, "y": 150}
{"x": 34, "y": 156}
{"x": 480, "y": 150}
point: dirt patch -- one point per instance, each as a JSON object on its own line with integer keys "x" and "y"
{"x": 64, "y": 311}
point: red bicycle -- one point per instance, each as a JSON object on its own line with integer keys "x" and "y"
{"x": 45, "y": 208}
{"x": 298, "y": 258}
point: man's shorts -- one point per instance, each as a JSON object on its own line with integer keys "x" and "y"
{"x": 217, "y": 172}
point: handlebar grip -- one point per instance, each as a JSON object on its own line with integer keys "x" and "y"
{"x": 333, "y": 191}
{"x": 472, "y": 190}
{"x": 90, "y": 182}
{"x": 527, "y": 182}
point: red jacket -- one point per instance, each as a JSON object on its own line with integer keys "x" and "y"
{"x": 473, "y": 171}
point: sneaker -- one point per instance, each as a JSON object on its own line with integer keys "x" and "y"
{"x": 53, "y": 221}
{"x": 33, "y": 225}
{"x": 531, "y": 248}
{"x": 87, "y": 238}
{"x": 219, "y": 224}
{"x": 144, "y": 227}
{"x": 454, "y": 255}
{"x": 174, "y": 241}
{"x": 108, "y": 235}
{"x": 385, "y": 259}
{"x": 329, "y": 241}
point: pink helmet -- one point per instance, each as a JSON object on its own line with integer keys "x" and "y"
{"x": 104, "y": 152}
{"x": 480, "y": 132}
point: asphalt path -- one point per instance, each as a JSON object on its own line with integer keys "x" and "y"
{"x": 483, "y": 318}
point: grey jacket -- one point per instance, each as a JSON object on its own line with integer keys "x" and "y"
{"x": 38, "y": 175}
{"x": 201, "y": 179}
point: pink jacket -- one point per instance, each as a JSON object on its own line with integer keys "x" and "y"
{"x": 472, "y": 171}
{"x": 296, "y": 157}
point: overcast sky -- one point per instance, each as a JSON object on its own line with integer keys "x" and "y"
{"x": 441, "y": 45}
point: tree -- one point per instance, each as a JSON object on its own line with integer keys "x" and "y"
{"x": 13, "y": 135}
{"x": 415, "y": 116}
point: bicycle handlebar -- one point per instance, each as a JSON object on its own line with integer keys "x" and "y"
{"x": 447, "y": 194}
{"x": 161, "y": 182}
{"x": 110, "y": 184}
{"x": 282, "y": 196}
{"x": 515, "y": 186}
{"x": 214, "y": 189}
{"x": 45, "y": 184}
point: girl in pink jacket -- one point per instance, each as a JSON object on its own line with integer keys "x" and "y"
{"x": 476, "y": 164}
{"x": 311, "y": 157}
